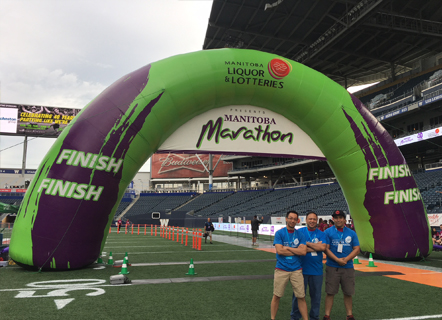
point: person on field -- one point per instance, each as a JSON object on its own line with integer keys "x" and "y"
{"x": 342, "y": 247}
{"x": 255, "y": 227}
{"x": 312, "y": 268}
{"x": 208, "y": 228}
{"x": 290, "y": 245}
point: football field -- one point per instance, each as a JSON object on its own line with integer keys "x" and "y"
{"x": 233, "y": 281}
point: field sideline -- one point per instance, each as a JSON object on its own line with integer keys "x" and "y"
{"x": 233, "y": 281}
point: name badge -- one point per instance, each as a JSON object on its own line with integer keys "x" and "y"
{"x": 314, "y": 254}
{"x": 340, "y": 246}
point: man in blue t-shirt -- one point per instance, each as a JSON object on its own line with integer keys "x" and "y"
{"x": 342, "y": 247}
{"x": 312, "y": 268}
{"x": 290, "y": 245}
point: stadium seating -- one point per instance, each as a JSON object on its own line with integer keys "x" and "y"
{"x": 323, "y": 199}
{"x": 402, "y": 91}
{"x": 151, "y": 202}
{"x": 205, "y": 200}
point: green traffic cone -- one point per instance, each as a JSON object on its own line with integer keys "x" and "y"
{"x": 124, "y": 267}
{"x": 356, "y": 261}
{"x": 100, "y": 260}
{"x": 191, "y": 269}
{"x": 127, "y": 259}
{"x": 371, "y": 262}
{"x": 111, "y": 259}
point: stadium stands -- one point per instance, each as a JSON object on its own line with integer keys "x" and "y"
{"x": 322, "y": 199}
{"x": 12, "y": 199}
{"x": 205, "y": 200}
{"x": 122, "y": 206}
{"x": 151, "y": 202}
{"x": 398, "y": 95}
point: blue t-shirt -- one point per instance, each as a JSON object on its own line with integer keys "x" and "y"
{"x": 312, "y": 265}
{"x": 287, "y": 239}
{"x": 347, "y": 238}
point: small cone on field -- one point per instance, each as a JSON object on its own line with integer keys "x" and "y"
{"x": 371, "y": 262}
{"x": 127, "y": 259}
{"x": 124, "y": 267}
{"x": 356, "y": 261}
{"x": 100, "y": 260}
{"x": 191, "y": 269}
{"x": 111, "y": 259}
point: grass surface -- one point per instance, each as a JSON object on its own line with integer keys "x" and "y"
{"x": 377, "y": 297}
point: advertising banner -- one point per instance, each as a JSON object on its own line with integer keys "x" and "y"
{"x": 39, "y": 121}
{"x": 17, "y": 171}
{"x": 392, "y": 114}
{"x": 435, "y": 219}
{"x": 174, "y": 165}
{"x": 13, "y": 190}
{"x": 425, "y": 135}
{"x": 242, "y": 130}
{"x": 278, "y": 220}
{"x": 264, "y": 229}
{"x": 8, "y": 120}
{"x": 431, "y": 100}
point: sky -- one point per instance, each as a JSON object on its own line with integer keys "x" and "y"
{"x": 64, "y": 53}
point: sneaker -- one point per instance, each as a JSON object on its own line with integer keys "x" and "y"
{"x": 326, "y": 318}
{"x": 350, "y": 317}
{"x": 211, "y": 243}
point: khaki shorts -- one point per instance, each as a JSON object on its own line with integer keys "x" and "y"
{"x": 339, "y": 276}
{"x": 209, "y": 233}
{"x": 280, "y": 282}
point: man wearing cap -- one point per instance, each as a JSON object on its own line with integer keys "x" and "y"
{"x": 342, "y": 247}
{"x": 255, "y": 227}
{"x": 290, "y": 245}
{"x": 312, "y": 268}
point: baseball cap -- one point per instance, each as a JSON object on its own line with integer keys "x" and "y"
{"x": 338, "y": 213}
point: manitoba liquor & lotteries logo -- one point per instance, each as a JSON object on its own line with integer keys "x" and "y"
{"x": 279, "y": 68}
{"x": 253, "y": 73}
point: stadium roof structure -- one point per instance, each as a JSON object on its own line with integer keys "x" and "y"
{"x": 351, "y": 41}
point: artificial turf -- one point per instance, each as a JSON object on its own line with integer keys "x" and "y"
{"x": 377, "y": 297}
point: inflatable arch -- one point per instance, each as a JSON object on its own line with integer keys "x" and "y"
{"x": 66, "y": 213}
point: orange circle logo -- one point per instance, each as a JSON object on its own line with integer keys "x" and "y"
{"x": 437, "y": 130}
{"x": 279, "y": 68}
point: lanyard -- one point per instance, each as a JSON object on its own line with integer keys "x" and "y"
{"x": 314, "y": 235}
{"x": 342, "y": 234}
{"x": 288, "y": 235}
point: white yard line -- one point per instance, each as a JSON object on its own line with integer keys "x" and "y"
{"x": 416, "y": 318}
